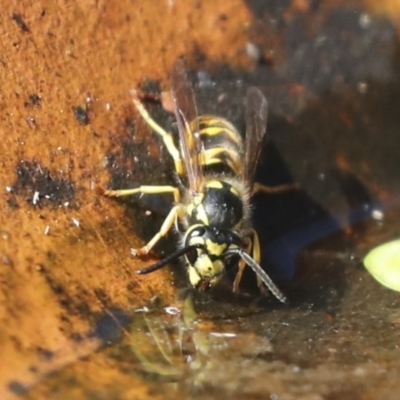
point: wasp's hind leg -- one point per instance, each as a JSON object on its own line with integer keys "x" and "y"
{"x": 165, "y": 136}
{"x": 260, "y": 188}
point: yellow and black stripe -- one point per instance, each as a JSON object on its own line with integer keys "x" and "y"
{"x": 222, "y": 144}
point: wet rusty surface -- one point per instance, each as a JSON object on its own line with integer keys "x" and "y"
{"x": 76, "y": 322}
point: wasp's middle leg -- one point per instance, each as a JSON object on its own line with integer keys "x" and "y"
{"x": 145, "y": 190}
{"x": 252, "y": 246}
{"x": 241, "y": 266}
{"x": 257, "y": 258}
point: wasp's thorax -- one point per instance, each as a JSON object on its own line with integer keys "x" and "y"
{"x": 219, "y": 204}
{"x": 207, "y": 259}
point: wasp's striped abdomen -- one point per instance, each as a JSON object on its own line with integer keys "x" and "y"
{"x": 222, "y": 144}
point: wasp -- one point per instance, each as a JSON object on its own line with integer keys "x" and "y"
{"x": 215, "y": 171}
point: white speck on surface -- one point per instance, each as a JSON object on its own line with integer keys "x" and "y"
{"x": 35, "y": 198}
{"x": 223, "y": 334}
{"x": 108, "y": 106}
{"x": 66, "y": 204}
{"x": 377, "y": 215}
{"x": 172, "y": 310}
{"x": 47, "y": 230}
{"x": 362, "y": 87}
{"x": 365, "y": 20}
{"x": 143, "y": 309}
{"x": 253, "y": 51}
{"x": 204, "y": 79}
{"x": 320, "y": 40}
{"x": 76, "y": 222}
{"x": 8, "y": 189}
{"x": 104, "y": 163}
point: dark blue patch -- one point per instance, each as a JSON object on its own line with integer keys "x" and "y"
{"x": 17, "y": 388}
{"x": 108, "y": 327}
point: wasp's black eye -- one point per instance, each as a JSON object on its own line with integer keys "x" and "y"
{"x": 192, "y": 255}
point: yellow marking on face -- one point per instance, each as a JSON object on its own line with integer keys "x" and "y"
{"x": 192, "y": 228}
{"x": 219, "y": 268}
{"x": 207, "y": 268}
{"x": 204, "y": 266}
{"x": 196, "y": 240}
{"x": 215, "y": 184}
{"x": 215, "y": 248}
{"x": 194, "y": 277}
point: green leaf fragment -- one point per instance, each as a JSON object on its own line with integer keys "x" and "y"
{"x": 383, "y": 263}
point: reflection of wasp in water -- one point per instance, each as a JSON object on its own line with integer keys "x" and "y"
{"x": 213, "y": 212}
{"x": 178, "y": 347}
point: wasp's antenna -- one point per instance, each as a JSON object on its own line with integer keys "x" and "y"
{"x": 260, "y": 273}
{"x": 165, "y": 261}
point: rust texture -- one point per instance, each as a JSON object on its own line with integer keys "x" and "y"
{"x": 66, "y": 70}
{"x": 68, "y": 127}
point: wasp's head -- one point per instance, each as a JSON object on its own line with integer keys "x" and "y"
{"x": 207, "y": 250}
{"x": 207, "y": 256}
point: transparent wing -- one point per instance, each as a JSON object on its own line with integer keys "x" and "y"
{"x": 256, "y": 132}
{"x": 188, "y": 127}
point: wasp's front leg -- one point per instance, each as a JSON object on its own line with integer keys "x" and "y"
{"x": 252, "y": 246}
{"x": 165, "y": 227}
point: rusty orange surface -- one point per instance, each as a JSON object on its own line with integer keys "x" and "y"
{"x": 66, "y": 69}
{"x": 65, "y": 260}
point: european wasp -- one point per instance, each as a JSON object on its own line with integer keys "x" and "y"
{"x": 215, "y": 180}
